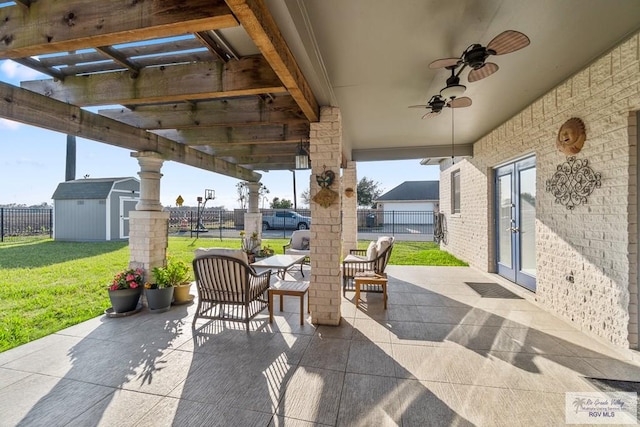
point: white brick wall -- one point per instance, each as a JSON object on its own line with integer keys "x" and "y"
{"x": 596, "y": 241}
{"x": 326, "y": 233}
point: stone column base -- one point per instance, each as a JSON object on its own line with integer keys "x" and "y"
{"x": 148, "y": 239}
{"x": 253, "y": 222}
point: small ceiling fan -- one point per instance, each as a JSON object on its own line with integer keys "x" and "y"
{"x": 475, "y": 56}
{"x": 437, "y": 103}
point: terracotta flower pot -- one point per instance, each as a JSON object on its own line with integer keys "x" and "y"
{"x": 181, "y": 293}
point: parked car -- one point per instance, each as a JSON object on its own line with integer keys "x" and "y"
{"x": 286, "y": 219}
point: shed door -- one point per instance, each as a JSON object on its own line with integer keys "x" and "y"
{"x": 127, "y": 204}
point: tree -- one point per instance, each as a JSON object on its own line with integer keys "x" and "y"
{"x": 242, "y": 189}
{"x": 281, "y": 204}
{"x": 306, "y": 197}
{"x": 368, "y": 191}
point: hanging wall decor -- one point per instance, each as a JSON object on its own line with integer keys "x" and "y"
{"x": 326, "y": 196}
{"x": 326, "y": 178}
{"x": 571, "y": 136}
{"x": 573, "y": 181}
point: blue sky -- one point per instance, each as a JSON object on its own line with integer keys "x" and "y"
{"x": 32, "y": 163}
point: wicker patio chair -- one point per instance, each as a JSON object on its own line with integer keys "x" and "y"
{"x": 372, "y": 260}
{"x": 229, "y": 288}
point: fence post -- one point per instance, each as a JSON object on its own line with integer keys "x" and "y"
{"x": 393, "y": 223}
{"x": 1, "y": 224}
{"x": 50, "y": 223}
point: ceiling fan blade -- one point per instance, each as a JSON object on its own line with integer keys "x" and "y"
{"x": 507, "y": 42}
{"x": 419, "y": 106}
{"x": 485, "y": 71}
{"x": 430, "y": 114}
{"x": 465, "y": 101}
{"x": 444, "y": 63}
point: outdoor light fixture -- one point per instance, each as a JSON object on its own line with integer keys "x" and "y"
{"x": 302, "y": 158}
{"x": 453, "y": 91}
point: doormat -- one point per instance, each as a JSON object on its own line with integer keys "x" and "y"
{"x": 492, "y": 290}
{"x": 607, "y": 385}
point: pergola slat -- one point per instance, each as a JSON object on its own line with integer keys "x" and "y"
{"x": 49, "y": 26}
{"x": 19, "y": 104}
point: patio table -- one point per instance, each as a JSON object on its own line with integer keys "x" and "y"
{"x": 281, "y": 263}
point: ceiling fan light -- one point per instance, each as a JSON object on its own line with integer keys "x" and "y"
{"x": 452, "y": 91}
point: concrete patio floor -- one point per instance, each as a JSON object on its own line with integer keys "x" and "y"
{"x": 439, "y": 355}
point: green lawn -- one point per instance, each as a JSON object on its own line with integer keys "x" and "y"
{"x": 46, "y": 286}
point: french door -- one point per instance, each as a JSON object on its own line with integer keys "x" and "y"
{"x": 515, "y": 207}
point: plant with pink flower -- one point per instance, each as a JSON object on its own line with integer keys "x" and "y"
{"x": 128, "y": 279}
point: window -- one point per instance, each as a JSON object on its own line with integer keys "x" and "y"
{"x": 455, "y": 192}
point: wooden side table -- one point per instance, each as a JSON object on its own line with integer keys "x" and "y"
{"x": 371, "y": 279}
{"x": 282, "y": 288}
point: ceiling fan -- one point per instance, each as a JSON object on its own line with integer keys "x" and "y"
{"x": 475, "y": 56}
{"x": 437, "y": 103}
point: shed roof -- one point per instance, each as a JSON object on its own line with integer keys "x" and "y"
{"x": 90, "y": 188}
{"x": 412, "y": 190}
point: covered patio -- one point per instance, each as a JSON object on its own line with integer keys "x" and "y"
{"x": 441, "y": 354}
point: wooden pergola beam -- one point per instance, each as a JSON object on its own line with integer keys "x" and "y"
{"x": 206, "y": 80}
{"x": 205, "y": 114}
{"x": 242, "y": 135}
{"x": 20, "y": 104}
{"x": 257, "y": 21}
{"x": 49, "y": 26}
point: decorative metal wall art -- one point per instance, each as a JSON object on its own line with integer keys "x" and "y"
{"x": 325, "y": 179}
{"x": 326, "y": 196}
{"x": 573, "y": 181}
{"x": 571, "y": 136}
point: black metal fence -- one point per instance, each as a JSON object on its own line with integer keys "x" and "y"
{"x": 369, "y": 221}
{"x": 25, "y": 223}
{"x": 395, "y": 222}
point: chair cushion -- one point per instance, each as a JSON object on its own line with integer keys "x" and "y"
{"x": 372, "y": 251}
{"x": 352, "y": 257}
{"x": 305, "y": 243}
{"x": 383, "y": 243}
{"x": 290, "y": 251}
{"x": 297, "y": 238}
{"x": 233, "y": 253}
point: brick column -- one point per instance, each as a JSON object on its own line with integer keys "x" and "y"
{"x": 326, "y": 230}
{"x": 148, "y": 225}
{"x": 253, "y": 217}
{"x": 349, "y": 208}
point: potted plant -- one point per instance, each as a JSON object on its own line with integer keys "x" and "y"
{"x": 266, "y": 251}
{"x": 249, "y": 244}
{"x": 159, "y": 293}
{"x": 125, "y": 290}
{"x": 177, "y": 275}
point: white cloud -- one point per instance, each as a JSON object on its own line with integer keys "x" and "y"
{"x": 9, "y": 124}
{"x": 13, "y": 70}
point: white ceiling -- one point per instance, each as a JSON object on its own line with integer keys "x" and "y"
{"x": 371, "y": 57}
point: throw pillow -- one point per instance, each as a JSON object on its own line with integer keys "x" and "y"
{"x": 305, "y": 244}
{"x": 382, "y": 244}
{"x": 372, "y": 253}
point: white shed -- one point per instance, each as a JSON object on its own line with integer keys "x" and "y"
{"x": 87, "y": 210}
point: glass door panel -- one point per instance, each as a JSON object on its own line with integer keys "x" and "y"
{"x": 515, "y": 222}
{"x": 504, "y": 220}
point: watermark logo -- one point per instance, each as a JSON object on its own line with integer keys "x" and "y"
{"x": 601, "y": 408}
